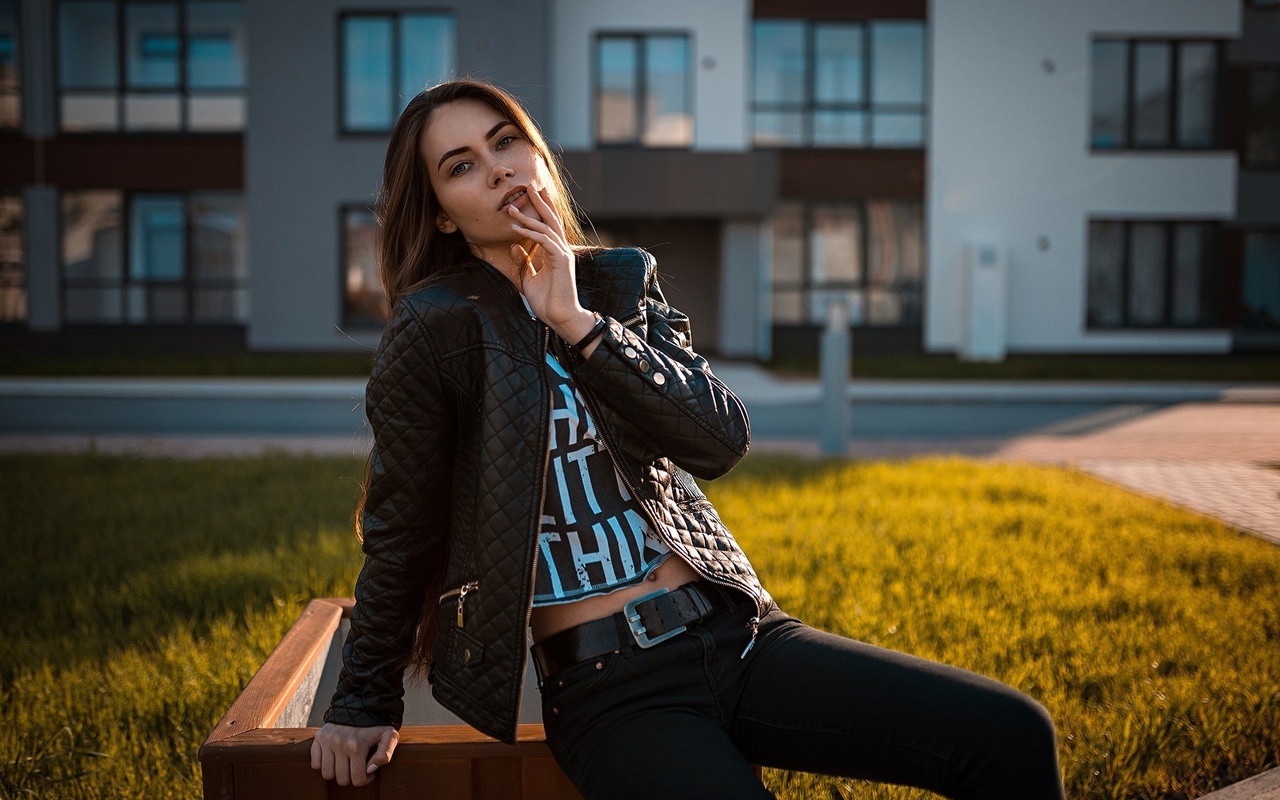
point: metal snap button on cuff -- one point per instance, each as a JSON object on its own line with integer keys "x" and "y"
{"x": 659, "y": 378}
{"x": 644, "y": 365}
{"x": 630, "y": 351}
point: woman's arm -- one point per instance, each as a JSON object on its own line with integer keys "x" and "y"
{"x": 405, "y": 522}
{"x": 661, "y": 385}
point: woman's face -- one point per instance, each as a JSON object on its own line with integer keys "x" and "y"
{"x": 477, "y": 160}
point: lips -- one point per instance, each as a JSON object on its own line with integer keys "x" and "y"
{"x": 513, "y": 195}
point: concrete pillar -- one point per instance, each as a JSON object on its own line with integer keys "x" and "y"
{"x": 39, "y": 95}
{"x": 40, "y": 235}
{"x": 835, "y": 353}
{"x": 744, "y": 289}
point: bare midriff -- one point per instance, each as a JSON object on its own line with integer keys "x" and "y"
{"x": 547, "y": 620}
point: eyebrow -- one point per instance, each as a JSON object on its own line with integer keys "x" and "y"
{"x": 487, "y": 137}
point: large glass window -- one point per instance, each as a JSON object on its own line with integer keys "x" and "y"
{"x": 870, "y": 252}
{"x": 13, "y": 275}
{"x": 364, "y": 304}
{"x": 642, "y": 90}
{"x": 1152, "y": 274}
{"x": 1260, "y": 289}
{"x": 839, "y": 84}
{"x": 1262, "y": 138}
{"x": 1154, "y": 94}
{"x": 10, "y": 78}
{"x": 387, "y": 58}
{"x": 151, "y": 66}
{"x": 154, "y": 258}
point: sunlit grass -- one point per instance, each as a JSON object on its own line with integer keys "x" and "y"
{"x": 1152, "y": 636}
{"x": 137, "y": 597}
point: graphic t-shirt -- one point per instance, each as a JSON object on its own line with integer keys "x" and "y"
{"x": 595, "y": 539}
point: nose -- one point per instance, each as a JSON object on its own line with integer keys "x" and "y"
{"x": 499, "y": 171}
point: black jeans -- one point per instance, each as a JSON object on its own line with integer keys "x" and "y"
{"x": 688, "y": 717}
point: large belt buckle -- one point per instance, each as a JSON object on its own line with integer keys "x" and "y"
{"x": 637, "y": 627}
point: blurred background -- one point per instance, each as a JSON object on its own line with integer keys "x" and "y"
{"x": 968, "y": 177}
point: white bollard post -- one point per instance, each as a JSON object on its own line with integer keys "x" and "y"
{"x": 834, "y": 364}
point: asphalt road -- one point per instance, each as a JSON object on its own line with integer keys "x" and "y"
{"x": 338, "y": 416}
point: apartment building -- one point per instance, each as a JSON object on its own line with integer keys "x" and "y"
{"x": 973, "y": 176}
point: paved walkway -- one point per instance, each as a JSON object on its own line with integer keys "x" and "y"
{"x": 1218, "y": 459}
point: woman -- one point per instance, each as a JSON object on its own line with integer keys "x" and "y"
{"x": 538, "y": 412}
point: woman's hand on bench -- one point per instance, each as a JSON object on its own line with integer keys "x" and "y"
{"x": 343, "y": 752}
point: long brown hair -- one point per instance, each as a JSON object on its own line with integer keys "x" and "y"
{"x": 410, "y": 249}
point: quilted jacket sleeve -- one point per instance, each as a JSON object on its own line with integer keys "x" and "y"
{"x": 662, "y": 385}
{"x": 405, "y": 519}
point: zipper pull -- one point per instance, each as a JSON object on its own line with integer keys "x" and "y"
{"x": 462, "y": 596}
{"x": 754, "y": 622}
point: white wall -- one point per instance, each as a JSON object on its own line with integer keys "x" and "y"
{"x": 1010, "y": 163}
{"x": 719, "y": 33}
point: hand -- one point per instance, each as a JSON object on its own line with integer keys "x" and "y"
{"x": 547, "y": 275}
{"x": 340, "y": 751}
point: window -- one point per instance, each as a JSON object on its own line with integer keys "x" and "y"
{"x": 1262, "y": 135}
{"x": 1260, "y": 289}
{"x": 153, "y": 66}
{"x": 13, "y": 278}
{"x": 1150, "y": 94}
{"x": 152, "y": 258}
{"x": 364, "y": 304}
{"x": 871, "y": 252}
{"x": 1152, "y": 274}
{"x": 839, "y": 84}
{"x": 10, "y": 82}
{"x": 387, "y": 59}
{"x": 643, "y": 95}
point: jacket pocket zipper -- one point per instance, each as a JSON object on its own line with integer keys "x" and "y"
{"x": 461, "y": 592}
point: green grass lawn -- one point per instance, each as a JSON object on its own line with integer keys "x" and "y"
{"x": 138, "y": 596}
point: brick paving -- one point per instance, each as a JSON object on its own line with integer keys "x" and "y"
{"x": 1217, "y": 459}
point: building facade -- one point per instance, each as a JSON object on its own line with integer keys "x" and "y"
{"x": 971, "y": 176}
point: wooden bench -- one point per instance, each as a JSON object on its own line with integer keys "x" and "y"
{"x": 261, "y": 748}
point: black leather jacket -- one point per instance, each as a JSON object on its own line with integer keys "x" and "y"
{"x": 458, "y": 403}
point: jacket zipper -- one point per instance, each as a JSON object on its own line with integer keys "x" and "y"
{"x": 461, "y": 592}
{"x": 537, "y": 537}
{"x": 754, "y": 622}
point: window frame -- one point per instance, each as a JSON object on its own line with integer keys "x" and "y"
{"x": 1169, "y": 232}
{"x": 347, "y": 322}
{"x": 122, "y": 88}
{"x": 340, "y": 40}
{"x": 807, "y": 286}
{"x": 808, "y": 106}
{"x": 641, "y": 37}
{"x": 16, "y": 130}
{"x": 188, "y": 282}
{"x": 1174, "y": 82}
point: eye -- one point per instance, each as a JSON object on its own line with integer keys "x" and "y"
{"x": 456, "y": 169}
{"x": 505, "y": 140}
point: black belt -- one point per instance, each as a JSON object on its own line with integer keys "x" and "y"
{"x": 643, "y": 622}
